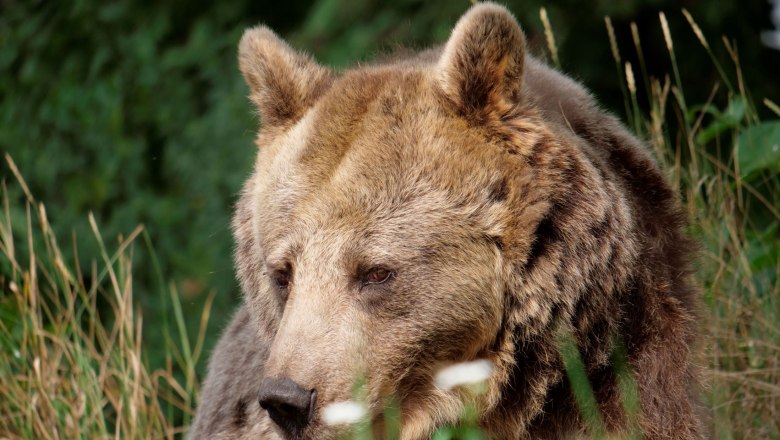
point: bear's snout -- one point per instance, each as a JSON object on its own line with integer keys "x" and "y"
{"x": 289, "y": 405}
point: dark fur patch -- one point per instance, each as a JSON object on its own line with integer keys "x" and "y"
{"x": 527, "y": 365}
{"x": 560, "y": 410}
{"x": 497, "y": 241}
{"x": 546, "y": 233}
{"x": 599, "y": 230}
{"x": 559, "y": 281}
{"x": 640, "y": 175}
{"x": 634, "y": 310}
{"x": 239, "y": 412}
{"x": 502, "y": 329}
{"x": 536, "y": 151}
{"x": 534, "y": 361}
{"x": 499, "y": 191}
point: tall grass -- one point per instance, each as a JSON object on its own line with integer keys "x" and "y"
{"x": 717, "y": 157}
{"x": 72, "y": 364}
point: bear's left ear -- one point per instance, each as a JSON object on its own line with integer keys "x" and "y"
{"x": 482, "y": 63}
{"x": 283, "y": 83}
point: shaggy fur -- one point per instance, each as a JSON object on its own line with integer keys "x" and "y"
{"x": 511, "y": 213}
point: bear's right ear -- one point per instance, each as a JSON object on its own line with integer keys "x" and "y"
{"x": 481, "y": 66}
{"x": 283, "y": 83}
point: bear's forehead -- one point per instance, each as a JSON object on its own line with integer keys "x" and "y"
{"x": 384, "y": 130}
{"x": 377, "y": 152}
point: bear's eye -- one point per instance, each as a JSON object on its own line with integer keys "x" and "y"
{"x": 378, "y": 275}
{"x": 281, "y": 278}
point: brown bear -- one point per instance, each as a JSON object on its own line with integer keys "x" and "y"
{"x": 468, "y": 203}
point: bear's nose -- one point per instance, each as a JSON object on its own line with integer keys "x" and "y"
{"x": 289, "y": 405}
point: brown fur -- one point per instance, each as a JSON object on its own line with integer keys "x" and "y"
{"x": 511, "y": 211}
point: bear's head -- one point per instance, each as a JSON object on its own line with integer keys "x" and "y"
{"x": 406, "y": 216}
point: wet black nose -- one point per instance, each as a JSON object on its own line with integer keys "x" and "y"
{"x": 288, "y": 404}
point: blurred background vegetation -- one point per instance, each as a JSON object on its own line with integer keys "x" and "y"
{"x": 135, "y": 111}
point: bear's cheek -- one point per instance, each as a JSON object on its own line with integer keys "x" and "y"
{"x": 440, "y": 319}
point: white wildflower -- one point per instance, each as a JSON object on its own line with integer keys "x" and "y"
{"x": 463, "y": 374}
{"x": 771, "y": 38}
{"x": 343, "y": 413}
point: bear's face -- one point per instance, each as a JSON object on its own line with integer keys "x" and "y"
{"x": 380, "y": 248}
{"x": 390, "y": 211}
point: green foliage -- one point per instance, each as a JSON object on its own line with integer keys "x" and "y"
{"x": 759, "y": 149}
{"x": 138, "y": 116}
{"x": 729, "y": 119}
{"x": 580, "y": 385}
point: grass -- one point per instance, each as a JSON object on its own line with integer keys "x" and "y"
{"x": 72, "y": 364}
{"x": 732, "y": 202}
